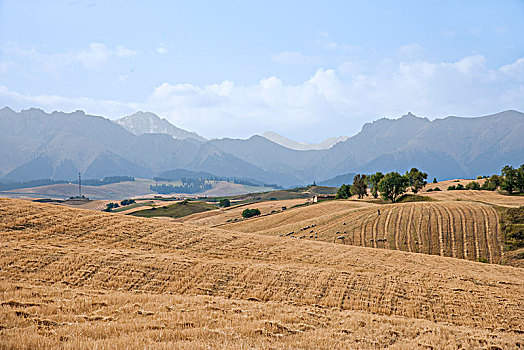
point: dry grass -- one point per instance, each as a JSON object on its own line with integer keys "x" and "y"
{"x": 73, "y": 278}
{"x": 487, "y": 197}
{"x": 222, "y": 216}
{"x": 467, "y": 229}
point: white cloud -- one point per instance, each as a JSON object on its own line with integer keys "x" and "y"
{"x": 161, "y": 48}
{"x": 330, "y": 103}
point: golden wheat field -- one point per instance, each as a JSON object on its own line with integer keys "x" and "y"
{"x": 459, "y": 229}
{"x": 73, "y": 278}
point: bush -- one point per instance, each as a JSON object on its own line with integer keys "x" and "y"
{"x": 247, "y": 213}
{"x": 460, "y": 187}
{"x": 224, "y": 203}
{"x": 452, "y": 188}
{"x": 473, "y": 185}
{"x": 127, "y": 202}
{"x": 437, "y": 189}
{"x": 430, "y": 190}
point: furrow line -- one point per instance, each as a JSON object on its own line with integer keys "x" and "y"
{"x": 464, "y": 229}
{"x": 408, "y": 228}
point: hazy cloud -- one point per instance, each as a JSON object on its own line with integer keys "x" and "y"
{"x": 94, "y": 56}
{"x": 329, "y": 103}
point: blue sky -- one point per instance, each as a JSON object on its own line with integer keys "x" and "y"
{"x": 308, "y": 70}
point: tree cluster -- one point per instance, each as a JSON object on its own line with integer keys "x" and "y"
{"x": 247, "y": 213}
{"x": 390, "y": 186}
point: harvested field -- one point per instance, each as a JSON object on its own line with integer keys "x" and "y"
{"x": 222, "y": 216}
{"x": 82, "y": 279}
{"x": 466, "y": 230}
{"x": 488, "y": 197}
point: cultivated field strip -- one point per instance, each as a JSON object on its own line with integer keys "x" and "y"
{"x": 486, "y": 197}
{"x": 459, "y": 229}
{"x": 50, "y": 245}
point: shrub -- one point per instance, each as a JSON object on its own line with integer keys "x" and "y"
{"x": 452, "y": 188}
{"x": 483, "y": 260}
{"x": 127, "y": 202}
{"x": 430, "y": 190}
{"x": 460, "y": 187}
{"x": 437, "y": 189}
{"x": 473, "y": 185}
{"x": 224, "y": 203}
{"x": 247, "y": 213}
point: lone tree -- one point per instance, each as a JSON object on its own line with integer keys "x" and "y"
{"x": 435, "y": 180}
{"x": 343, "y": 192}
{"x": 359, "y": 187}
{"x": 393, "y": 185}
{"x": 509, "y": 181}
{"x": 224, "y": 203}
{"x": 417, "y": 179}
{"x": 373, "y": 181}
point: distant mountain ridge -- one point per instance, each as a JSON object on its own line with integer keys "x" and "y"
{"x": 302, "y": 146}
{"x": 36, "y": 145}
{"x": 150, "y": 123}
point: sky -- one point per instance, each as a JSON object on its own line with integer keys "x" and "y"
{"x": 307, "y": 70}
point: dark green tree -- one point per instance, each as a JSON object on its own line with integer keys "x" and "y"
{"x": 473, "y": 185}
{"x": 417, "y": 179}
{"x": 491, "y": 183}
{"x": 393, "y": 185}
{"x": 520, "y": 179}
{"x": 344, "y": 192}
{"x": 359, "y": 186}
{"x": 224, "y": 203}
{"x": 435, "y": 180}
{"x": 247, "y": 213}
{"x": 373, "y": 181}
{"x": 509, "y": 180}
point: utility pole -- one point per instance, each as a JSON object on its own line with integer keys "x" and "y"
{"x": 79, "y": 185}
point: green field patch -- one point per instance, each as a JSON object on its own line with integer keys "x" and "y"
{"x": 176, "y": 210}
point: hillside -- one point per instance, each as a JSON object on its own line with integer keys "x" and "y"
{"x": 459, "y": 224}
{"x": 73, "y": 278}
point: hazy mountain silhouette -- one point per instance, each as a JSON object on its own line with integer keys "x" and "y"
{"x": 302, "y": 146}
{"x": 35, "y": 145}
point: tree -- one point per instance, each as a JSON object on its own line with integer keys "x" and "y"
{"x": 344, "y": 192}
{"x": 473, "y": 185}
{"x": 372, "y": 181}
{"x": 509, "y": 181}
{"x": 393, "y": 185}
{"x": 224, "y": 203}
{"x": 435, "y": 180}
{"x": 417, "y": 179}
{"x": 491, "y": 183}
{"x": 247, "y": 213}
{"x": 359, "y": 187}
{"x": 520, "y": 179}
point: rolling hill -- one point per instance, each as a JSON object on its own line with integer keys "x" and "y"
{"x": 77, "y": 278}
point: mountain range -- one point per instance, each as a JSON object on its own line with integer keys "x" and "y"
{"x": 35, "y": 144}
